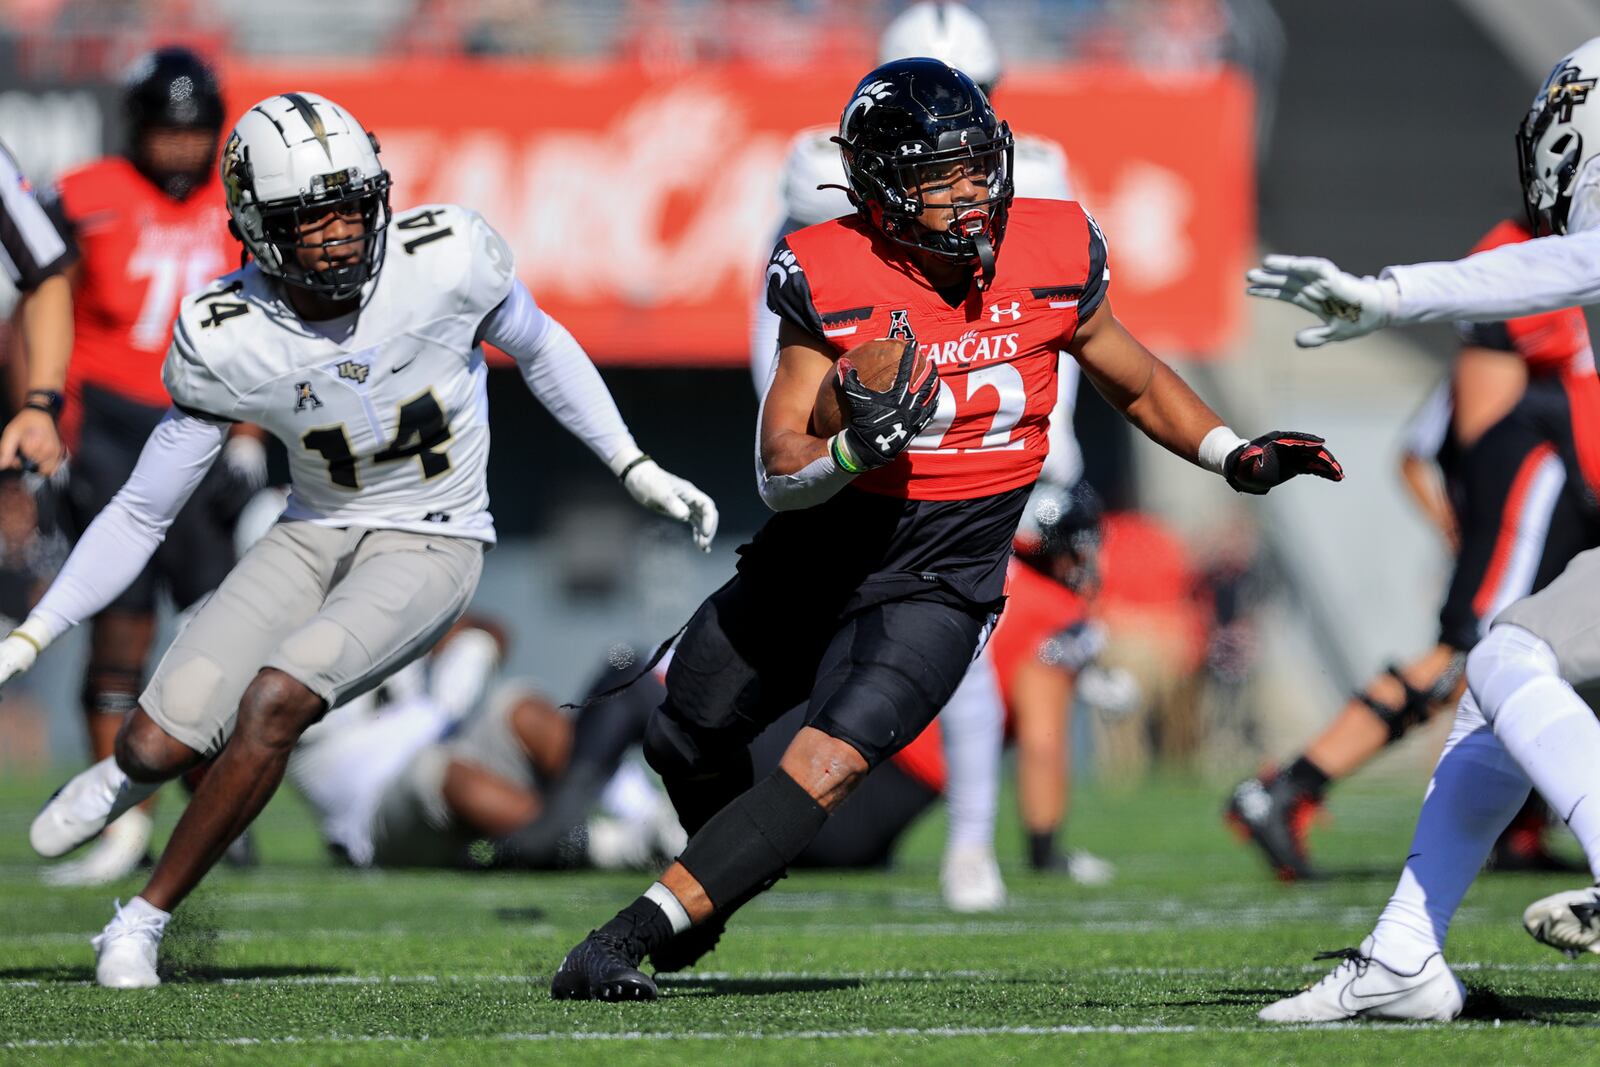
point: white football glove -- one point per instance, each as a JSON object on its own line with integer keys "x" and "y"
{"x": 1348, "y": 306}
{"x": 20, "y": 648}
{"x": 246, "y": 460}
{"x": 667, "y": 494}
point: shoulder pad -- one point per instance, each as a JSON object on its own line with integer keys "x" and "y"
{"x": 789, "y": 291}
{"x": 457, "y": 251}
{"x": 192, "y": 371}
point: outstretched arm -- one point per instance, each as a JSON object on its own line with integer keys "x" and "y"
{"x": 1152, "y": 397}
{"x": 123, "y": 537}
{"x": 561, "y": 376}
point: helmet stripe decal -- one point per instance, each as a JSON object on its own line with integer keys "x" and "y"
{"x": 303, "y": 107}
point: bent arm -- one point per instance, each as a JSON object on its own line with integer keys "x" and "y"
{"x": 561, "y": 375}
{"x": 794, "y": 468}
{"x": 123, "y": 537}
{"x": 1147, "y": 391}
{"x": 1544, "y": 274}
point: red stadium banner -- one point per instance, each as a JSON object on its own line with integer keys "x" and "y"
{"x": 642, "y": 205}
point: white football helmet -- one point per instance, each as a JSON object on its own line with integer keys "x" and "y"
{"x": 292, "y": 159}
{"x": 1557, "y": 141}
{"x": 949, "y": 32}
{"x": 813, "y": 178}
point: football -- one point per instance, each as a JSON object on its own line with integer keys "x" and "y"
{"x": 876, "y": 364}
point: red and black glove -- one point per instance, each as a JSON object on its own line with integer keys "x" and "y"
{"x": 1273, "y": 458}
{"x": 881, "y": 425}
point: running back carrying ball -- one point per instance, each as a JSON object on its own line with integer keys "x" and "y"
{"x": 876, "y": 363}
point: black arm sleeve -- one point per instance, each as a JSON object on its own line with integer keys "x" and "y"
{"x": 32, "y": 246}
{"x": 1493, "y": 335}
{"x": 1098, "y": 278}
{"x": 789, "y": 292}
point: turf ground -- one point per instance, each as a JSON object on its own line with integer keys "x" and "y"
{"x": 302, "y": 962}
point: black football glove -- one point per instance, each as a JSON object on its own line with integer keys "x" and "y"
{"x": 881, "y": 425}
{"x": 1274, "y": 458}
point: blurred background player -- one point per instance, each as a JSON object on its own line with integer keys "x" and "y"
{"x": 149, "y": 226}
{"x": 35, "y": 258}
{"x": 813, "y": 191}
{"x": 1509, "y": 498}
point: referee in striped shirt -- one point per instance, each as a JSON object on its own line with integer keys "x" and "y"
{"x": 35, "y": 256}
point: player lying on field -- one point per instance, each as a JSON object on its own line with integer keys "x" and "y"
{"x": 422, "y": 770}
{"x": 867, "y": 596}
{"x": 355, "y": 339}
{"x": 1510, "y": 499}
{"x": 1521, "y": 723}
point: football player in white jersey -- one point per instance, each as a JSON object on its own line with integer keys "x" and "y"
{"x": 813, "y": 191}
{"x": 1521, "y": 723}
{"x": 354, "y": 337}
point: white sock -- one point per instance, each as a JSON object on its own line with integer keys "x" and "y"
{"x": 1544, "y": 725}
{"x": 1474, "y": 794}
{"x": 139, "y": 908}
{"x": 972, "y": 726}
{"x": 675, "y": 912}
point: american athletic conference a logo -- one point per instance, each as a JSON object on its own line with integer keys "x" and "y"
{"x": 1005, "y": 312}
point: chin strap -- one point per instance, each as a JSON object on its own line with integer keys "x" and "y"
{"x": 985, "y": 260}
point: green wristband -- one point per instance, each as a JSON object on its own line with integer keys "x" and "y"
{"x": 841, "y": 456}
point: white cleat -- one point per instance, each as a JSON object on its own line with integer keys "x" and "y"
{"x": 1085, "y": 868}
{"x": 1568, "y": 922}
{"x": 125, "y": 951}
{"x": 970, "y": 880}
{"x": 121, "y": 848}
{"x": 82, "y": 808}
{"x": 1361, "y": 987}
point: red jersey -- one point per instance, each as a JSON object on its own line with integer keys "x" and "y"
{"x": 1552, "y": 343}
{"x": 996, "y": 350}
{"x": 1038, "y": 610}
{"x": 141, "y": 252}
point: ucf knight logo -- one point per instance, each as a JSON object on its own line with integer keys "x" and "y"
{"x": 1565, "y": 91}
{"x": 355, "y": 372}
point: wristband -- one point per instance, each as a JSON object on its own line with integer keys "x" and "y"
{"x": 622, "y": 475}
{"x": 25, "y": 636}
{"x": 46, "y": 400}
{"x": 841, "y": 455}
{"x": 1216, "y": 447}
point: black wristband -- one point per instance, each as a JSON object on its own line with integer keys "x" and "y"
{"x": 622, "y": 475}
{"x": 46, "y": 400}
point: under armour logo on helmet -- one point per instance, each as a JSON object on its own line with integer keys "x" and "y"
{"x": 1006, "y": 313}
{"x": 885, "y": 440}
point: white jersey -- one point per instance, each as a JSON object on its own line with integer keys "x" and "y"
{"x": 1040, "y": 171}
{"x": 383, "y": 411}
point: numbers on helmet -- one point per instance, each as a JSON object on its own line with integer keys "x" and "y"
{"x": 1012, "y": 392}
{"x": 426, "y": 219}
{"x": 421, "y": 432}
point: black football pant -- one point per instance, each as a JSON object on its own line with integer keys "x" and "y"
{"x": 873, "y": 679}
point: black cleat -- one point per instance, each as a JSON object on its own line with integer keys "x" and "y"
{"x": 690, "y": 947}
{"x": 1276, "y": 816}
{"x": 602, "y": 967}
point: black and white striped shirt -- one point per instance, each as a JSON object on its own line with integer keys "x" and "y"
{"x": 31, "y": 248}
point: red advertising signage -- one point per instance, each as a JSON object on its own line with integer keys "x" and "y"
{"x": 642, "y": 206}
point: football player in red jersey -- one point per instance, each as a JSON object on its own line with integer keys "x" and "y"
{"x": 1508, "y": 435}
{"x": 148, "y": 226}
{"x": 870, "y": 592}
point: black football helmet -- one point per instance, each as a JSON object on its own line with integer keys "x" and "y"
{"x": 171, "y": 88}
{"x": 1060, "y": 535}
{"x": 911, "y": 114}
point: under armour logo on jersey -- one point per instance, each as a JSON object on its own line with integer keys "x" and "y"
{"x": 885, "y": 440}
{"x": 305, "y": 395}
{"x": 1005, "y": 313}
{"x": 783, "y": 264}
{"x": 355, "y": 372}
{"x": 900, "y": 326}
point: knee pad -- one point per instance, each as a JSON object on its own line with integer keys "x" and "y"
{"x": 1505, "y": 661}
{"x": 749, "y": 844}
{"x": 110, "y": 690}
{"x": 1414, "y": 707}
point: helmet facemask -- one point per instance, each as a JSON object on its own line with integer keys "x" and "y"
{"x": 895, "y": 188}
{"x": 274, "y": 232}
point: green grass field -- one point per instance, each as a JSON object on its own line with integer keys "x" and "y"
{"x": 302, "y": 962}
